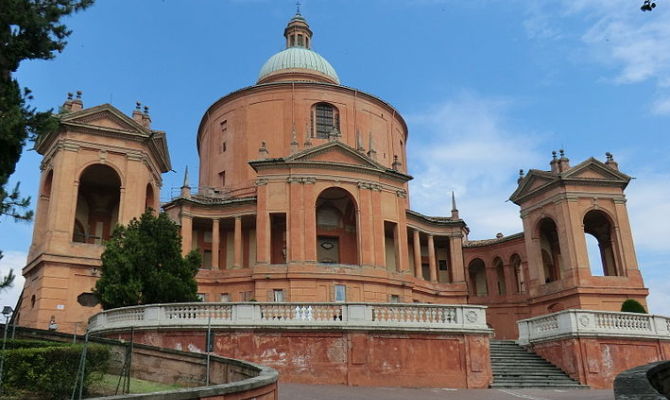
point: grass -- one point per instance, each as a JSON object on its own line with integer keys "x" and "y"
{"x": 107, "y": 386}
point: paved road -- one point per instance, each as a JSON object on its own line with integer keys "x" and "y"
{"x": 293, "y": 391}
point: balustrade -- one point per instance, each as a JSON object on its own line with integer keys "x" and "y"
{"x": 568, "y": 323}
{"x": 336, "y": 315}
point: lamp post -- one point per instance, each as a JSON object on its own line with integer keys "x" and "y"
{"x": 6, "y": 311}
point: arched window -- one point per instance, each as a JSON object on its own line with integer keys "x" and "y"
{"x": 325, "y": 119}
{"x": 600, "y": 243}
{"x": 97, "y": 204}
{"x": 336, "y": 233}
{"x": 149, "y": 197}
{"x": 477, "y": 273}
{"x": 500, "y": 276}
{"x": 515, "y": 261}
{"x": 550, "y": 249}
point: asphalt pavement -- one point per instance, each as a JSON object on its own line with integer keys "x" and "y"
{"x": 294, "y": 391}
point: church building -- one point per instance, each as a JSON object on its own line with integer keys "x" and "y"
{"x": 302, "y": 196}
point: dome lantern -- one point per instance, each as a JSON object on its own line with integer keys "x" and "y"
{"x": 298, "y": 62}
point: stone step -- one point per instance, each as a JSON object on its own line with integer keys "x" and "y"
{"x": 515, "y": 367}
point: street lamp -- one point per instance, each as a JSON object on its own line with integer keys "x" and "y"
{"x": 6, "y": 311}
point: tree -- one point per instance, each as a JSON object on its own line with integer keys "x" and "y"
{"x": 29, "y": 29}
{"x": 632, "y": 305}
{"x": 142, "y": 264}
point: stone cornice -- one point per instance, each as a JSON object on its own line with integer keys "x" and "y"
{"x": 609, "y": 178}
{"x": 154, "y": 140}
{"x": 436, "y": 221}
{"x": 616, "y": 198}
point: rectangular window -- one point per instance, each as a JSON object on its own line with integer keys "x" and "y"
{"x": 278, "y": 295}
{"x": 222, "y": 178}
{"x": 225, "y": 298}
{"x": 443, "y": 265}
{"x": 246, "y": 296}
{"x": 394, "y": 298}
{"x": 277, "y": 238}
{"x": 300, "y": 41}
{"x": 202, "y": 296}
{"x": 340, "y": 293}
{"x": 207, "y": 259}
{"x": 224, "y": 126}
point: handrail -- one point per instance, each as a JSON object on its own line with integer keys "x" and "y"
{"x": 572, "y": 322}
{"x": 388, "y": 316}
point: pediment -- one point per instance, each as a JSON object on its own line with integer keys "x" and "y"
{"x": 593, "y": 169}
{"x": 334, "y": 152}
{"x": 107, "y": 117}
{"x": 533, "y": 181}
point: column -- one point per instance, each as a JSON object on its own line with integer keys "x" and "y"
{"x": 417, "y": 254}
{"x": 456, "y": 259}
{"x": 237, "y": 238}
{"x": 262, "y": 224}
{"x": 309, "y": 221}
{"x": 431, "y": 259}
{"x": 378, "y": 229}
{"x": 510, "y": 281}
{"x": 186, "y": 222}
{"x": 365, "y": 228}
{"x": 215, "y": 244}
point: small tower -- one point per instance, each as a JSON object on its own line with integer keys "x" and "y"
{"x": 560, "y": 209}
{"x": 297, "y": 32}
{"x": 99, "y": 169}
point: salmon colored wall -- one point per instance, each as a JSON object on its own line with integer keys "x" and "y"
{"x": 597, "y": 361}
{"x": 349, "y": 358}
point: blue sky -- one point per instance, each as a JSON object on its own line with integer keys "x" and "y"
{"x": 487, "y": 88}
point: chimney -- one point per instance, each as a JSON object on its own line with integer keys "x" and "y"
{"x": 67, "y": 106}
{"x": 610, "y": 161}
{"x": 554, "y": 163}
{"x": 137, "y": 113}
{"x": 77, "y": 104}
{"x": 563, "y": 162}
{"x": 146, "y": 119}
{"x": 520, "y": 176}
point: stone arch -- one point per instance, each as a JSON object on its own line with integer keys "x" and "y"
{"x": 500, "y": 276}
{"x": 477, "y": 275}
{"x": 98, "y": 200}
{"x": 598, "y": 225}
{"x": 325, "y": 118}
{"x": 336, "y": 227}
{"x": 519, "y": 281}
{"x": 550, "y": 249}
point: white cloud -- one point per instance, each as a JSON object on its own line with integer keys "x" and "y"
{"x": 648, "y": 205}
{"x": 615, "y": 34}
{"x": 14, "y": 260}
{"x": 467, "y": 145}
{"x": 661, "y": 106}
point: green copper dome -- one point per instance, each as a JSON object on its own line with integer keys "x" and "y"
{"x": 298, "y": 58}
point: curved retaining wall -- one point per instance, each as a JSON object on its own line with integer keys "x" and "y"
{"x": 230, "y": 379}
{"x": 356, "y": 344}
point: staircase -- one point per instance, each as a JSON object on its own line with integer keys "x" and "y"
{"x": 514, "y": 367}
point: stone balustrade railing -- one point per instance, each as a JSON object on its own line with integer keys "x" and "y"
{"x": 568, "y": 323}
{"x": 455, "y": 318}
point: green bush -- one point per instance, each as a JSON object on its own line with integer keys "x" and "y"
{"x": 632, "y": 305}
{"x": 30, "y": 344}
{"x": 51, "y": 371}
